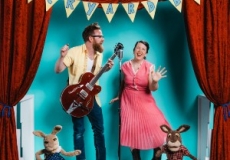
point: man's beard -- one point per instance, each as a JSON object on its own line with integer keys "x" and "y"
{"x": 98, "y": 47}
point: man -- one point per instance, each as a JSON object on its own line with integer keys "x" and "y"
{"x": 80, "y": 59}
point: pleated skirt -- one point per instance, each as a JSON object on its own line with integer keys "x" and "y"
{"x": 141, "y": 120}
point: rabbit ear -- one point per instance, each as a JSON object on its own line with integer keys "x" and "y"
{"x": 39, "y": 133}
{"x": 165, "y": 128}
{"x": 183, "y": 128}
{"x": 56, "y": 129}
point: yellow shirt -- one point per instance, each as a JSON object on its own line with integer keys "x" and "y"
{"x": 76, "y": 61}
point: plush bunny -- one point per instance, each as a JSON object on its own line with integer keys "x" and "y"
{"x": 52, "y": 149}
{"x": 173, "y": 147}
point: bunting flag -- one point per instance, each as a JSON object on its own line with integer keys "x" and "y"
{"x": 50, "y": 3}
{"x": 90, "y": 7}
{"x": 131, "y": 9}
{"x": 109, "y": 9}
{"x": 197, "y": 1}
{"x": 70, "y": 6}
{"x": 177, "y": 4}
{"x": 150, "y": 6}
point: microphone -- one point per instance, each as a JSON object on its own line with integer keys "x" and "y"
{"x": 120, "y": 54}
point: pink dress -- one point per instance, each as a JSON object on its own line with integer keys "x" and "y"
{"x": 140, "y": 116}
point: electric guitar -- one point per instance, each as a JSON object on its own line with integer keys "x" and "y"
{"x": 78, "y": 99}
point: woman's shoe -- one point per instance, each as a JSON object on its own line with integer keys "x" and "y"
{"x": 136, "y": 154}
{"x": 154, "y": 154}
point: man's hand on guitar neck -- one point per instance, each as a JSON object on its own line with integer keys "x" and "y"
{"x": 110, "y": 64}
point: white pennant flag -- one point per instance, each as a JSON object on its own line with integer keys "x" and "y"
{"x": 109, "y": 9}
{"x": 150, "y": 6}
{"x": 131, "y": 9}
{"x": 89, "y": 7}
{"x": 197, "y": 1}
{"x": 70, "y": 5}
{"x": 177, "y": 4}
{"x": 50, "y": 3}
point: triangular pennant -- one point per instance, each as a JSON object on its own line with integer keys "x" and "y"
{"x": 131, "y": 9}
{"x": 89, "y": 7}
{"x": 70, "y": 6}
{"x": 177, "y": 4}
{"x": 109, "y": 9}
{"x": 28, "y": 1}
{"x": 50, "y": 3}
{"x": 197, "y": 1}
{"x": 150, "y": 6}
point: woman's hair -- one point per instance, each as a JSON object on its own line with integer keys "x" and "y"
{"x": 143, "y": 42}
{"x": 89, "y": 31}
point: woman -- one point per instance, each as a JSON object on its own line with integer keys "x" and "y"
{"x": 140, "y": 116}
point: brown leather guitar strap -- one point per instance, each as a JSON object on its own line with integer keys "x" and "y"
{"x": 94, "y": 64}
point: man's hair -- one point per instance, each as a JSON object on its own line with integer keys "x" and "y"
{"x": 89, "y": 31}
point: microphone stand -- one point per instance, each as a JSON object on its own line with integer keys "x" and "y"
{"x": 119, "y": 108}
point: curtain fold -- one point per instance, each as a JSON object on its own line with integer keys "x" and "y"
{"x": 23, "y": 31}
{"x": 208, "y": 33}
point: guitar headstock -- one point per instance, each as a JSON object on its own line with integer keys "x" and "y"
{"x": 119, "y": 46}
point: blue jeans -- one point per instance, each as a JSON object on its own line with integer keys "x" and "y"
{"x": 96, "y": 119}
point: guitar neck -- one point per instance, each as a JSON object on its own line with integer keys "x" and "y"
{"x": 103, "y": 69}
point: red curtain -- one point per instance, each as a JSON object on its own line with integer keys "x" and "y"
{"x": 208, "y": 33}
{"x": 23, "y": 30}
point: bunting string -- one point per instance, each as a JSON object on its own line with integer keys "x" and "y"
{"x": 110, "y": 8}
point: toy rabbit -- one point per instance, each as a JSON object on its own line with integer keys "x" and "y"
{"x": 173, "y": 147}
{"x": 52, "y": 149}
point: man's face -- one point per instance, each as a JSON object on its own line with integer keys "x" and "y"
{"x": 98, "y": 40}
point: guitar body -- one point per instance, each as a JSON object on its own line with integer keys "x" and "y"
{"x": 78, "y": 99}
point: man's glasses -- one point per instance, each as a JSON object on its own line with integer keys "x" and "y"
{"x": 100, "y": 36}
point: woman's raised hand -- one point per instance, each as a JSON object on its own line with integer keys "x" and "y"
{"x": 160, "y": 73}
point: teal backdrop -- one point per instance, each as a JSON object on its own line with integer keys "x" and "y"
{"x": 176, "y": 96}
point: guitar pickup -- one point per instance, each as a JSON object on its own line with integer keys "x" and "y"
{"x": 83, "y": 94}
{"x": 89, "y": 86}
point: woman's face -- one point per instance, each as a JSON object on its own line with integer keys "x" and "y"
{"x": 140, "y": 51}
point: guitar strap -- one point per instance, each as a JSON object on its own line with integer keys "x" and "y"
{"x": 92, "y": 70}
{"x": 94, "y": 64}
